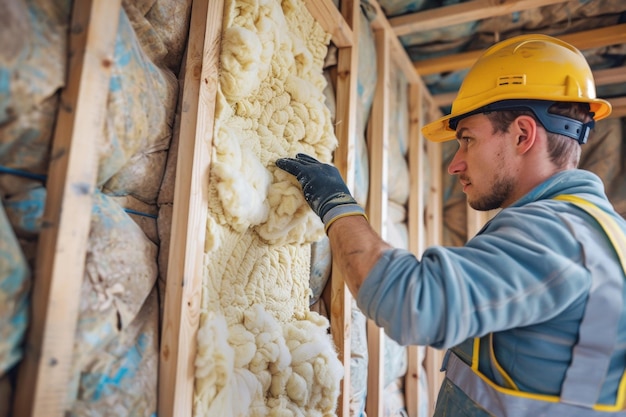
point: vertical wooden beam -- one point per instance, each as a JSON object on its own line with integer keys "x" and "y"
{"x": 434, "y": 228}
{"x": 477, "y": 219}
{"x": 416, "y": 228}
{"x": 60, "y": 264}
{"x": 184, "y": 274}
{"x": 378, "y": 151}
{"x": 344, "y": 159}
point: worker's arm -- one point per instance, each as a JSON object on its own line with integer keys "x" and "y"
{"x": 354, "y": 244}
{"x": 356, "y": 247}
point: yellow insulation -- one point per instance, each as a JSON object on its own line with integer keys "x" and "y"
{"x": 261, "y": 352}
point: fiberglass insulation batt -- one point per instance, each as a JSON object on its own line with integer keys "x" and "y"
{"x": 261, "y": 351}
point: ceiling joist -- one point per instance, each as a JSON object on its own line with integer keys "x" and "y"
{"x": 462, "y": 13}
{"x": 595, "y": 38}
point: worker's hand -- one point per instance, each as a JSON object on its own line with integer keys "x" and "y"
{"x": 323, "y": 188}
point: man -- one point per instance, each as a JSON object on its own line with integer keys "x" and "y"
{"x": 532, "y": 308}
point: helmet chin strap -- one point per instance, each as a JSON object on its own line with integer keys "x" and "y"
{"x": 553, "y": 123}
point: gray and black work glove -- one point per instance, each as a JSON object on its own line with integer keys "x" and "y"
{"x": 323, "y": 188}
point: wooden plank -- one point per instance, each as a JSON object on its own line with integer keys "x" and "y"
{"x": 344, "y": 159}
{"x": 44, "y": 374}
{"x": 609, "y": 76}
{"x": 619, "y": 107}
{"x": 377, "y": 207}
{"x": 417, "y": 171}
{"x": 589, "y": 39}
{"x": 185, "y": 259}
{"x": 434, "y": 230}
{"x": 477, "y": 219}
{"x": 462, "y": 13}
{"x": 331, "y": 19}
{"x": 416, "y": 229}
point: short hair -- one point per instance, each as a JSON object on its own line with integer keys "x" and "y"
{"x": 562, "y": 150}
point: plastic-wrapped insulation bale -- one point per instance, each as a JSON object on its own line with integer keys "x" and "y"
{"x": 33, "y": 38}
{"x": 367, "y": 77}
{"x": 115, "y": 368}
{"x": 14, "y": 287}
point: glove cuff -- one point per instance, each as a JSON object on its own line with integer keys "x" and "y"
{"x": 340, "y": 211}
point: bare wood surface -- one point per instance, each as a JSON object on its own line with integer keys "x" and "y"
{"x": 462, "y": 13}
{"x": 188, "y": 233}
{"x": 331, "y": 19}
{"x": 594, "y": 38}
{"x": 416, "y": 229}
{"x": 619, "y": 107}
{"x": 45, "y": 371}
{"x": 378, "y": 146}
{"x": 434, "y": 228}
{"x": 610, "y": 76}
{"x": 344, "y": 159}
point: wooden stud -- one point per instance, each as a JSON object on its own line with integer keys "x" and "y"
{"x": 185, "y": 262}
{"x": 377, "y": 207}
{"x": 416, "y": 229}
{"x": 434, "y": 228}
{"x": 45, "y": 371}
{"x": 344, "y": 159}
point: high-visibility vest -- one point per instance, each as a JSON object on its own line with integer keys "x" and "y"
{"x": 590, "y": 357}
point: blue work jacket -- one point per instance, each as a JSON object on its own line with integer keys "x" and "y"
{"x": 522, "y": 283}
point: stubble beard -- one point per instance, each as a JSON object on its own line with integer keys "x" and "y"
{"x": 500, "y": 192}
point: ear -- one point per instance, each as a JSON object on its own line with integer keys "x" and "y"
{"x": 525, "y": 132}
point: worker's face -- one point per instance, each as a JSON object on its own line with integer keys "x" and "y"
{"x": 483, "y": 164}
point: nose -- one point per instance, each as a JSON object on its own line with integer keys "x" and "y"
{"x": 457, "y": 165}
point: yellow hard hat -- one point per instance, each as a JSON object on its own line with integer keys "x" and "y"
{"x": 526, "y": 67}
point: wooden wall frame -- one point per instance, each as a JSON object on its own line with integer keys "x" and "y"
{"x": 47, "y": 360}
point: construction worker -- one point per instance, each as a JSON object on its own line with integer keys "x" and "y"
{"x": 532, "y": 309}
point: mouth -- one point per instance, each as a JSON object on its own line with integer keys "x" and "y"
{"x": 465, "y": 182}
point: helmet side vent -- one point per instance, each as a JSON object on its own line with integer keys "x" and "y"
{"x": 511, "y": 80}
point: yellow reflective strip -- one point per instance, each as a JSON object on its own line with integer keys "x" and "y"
{"x": 507, "y": 379}
{"x": 540, "y": 397}
{"x": 607, "y": 223}
{"x": 508, "y": 391}
{"x": 621, "y": 394}
{"x": 611, "y": 229}
{"x": 475, "y": 354}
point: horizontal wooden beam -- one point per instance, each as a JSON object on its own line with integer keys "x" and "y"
{"x": 619, "y": 107}
{"x": 594, "y": 38}
{"x": 461, "y": 13}
{"x": 610, "y": 76}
